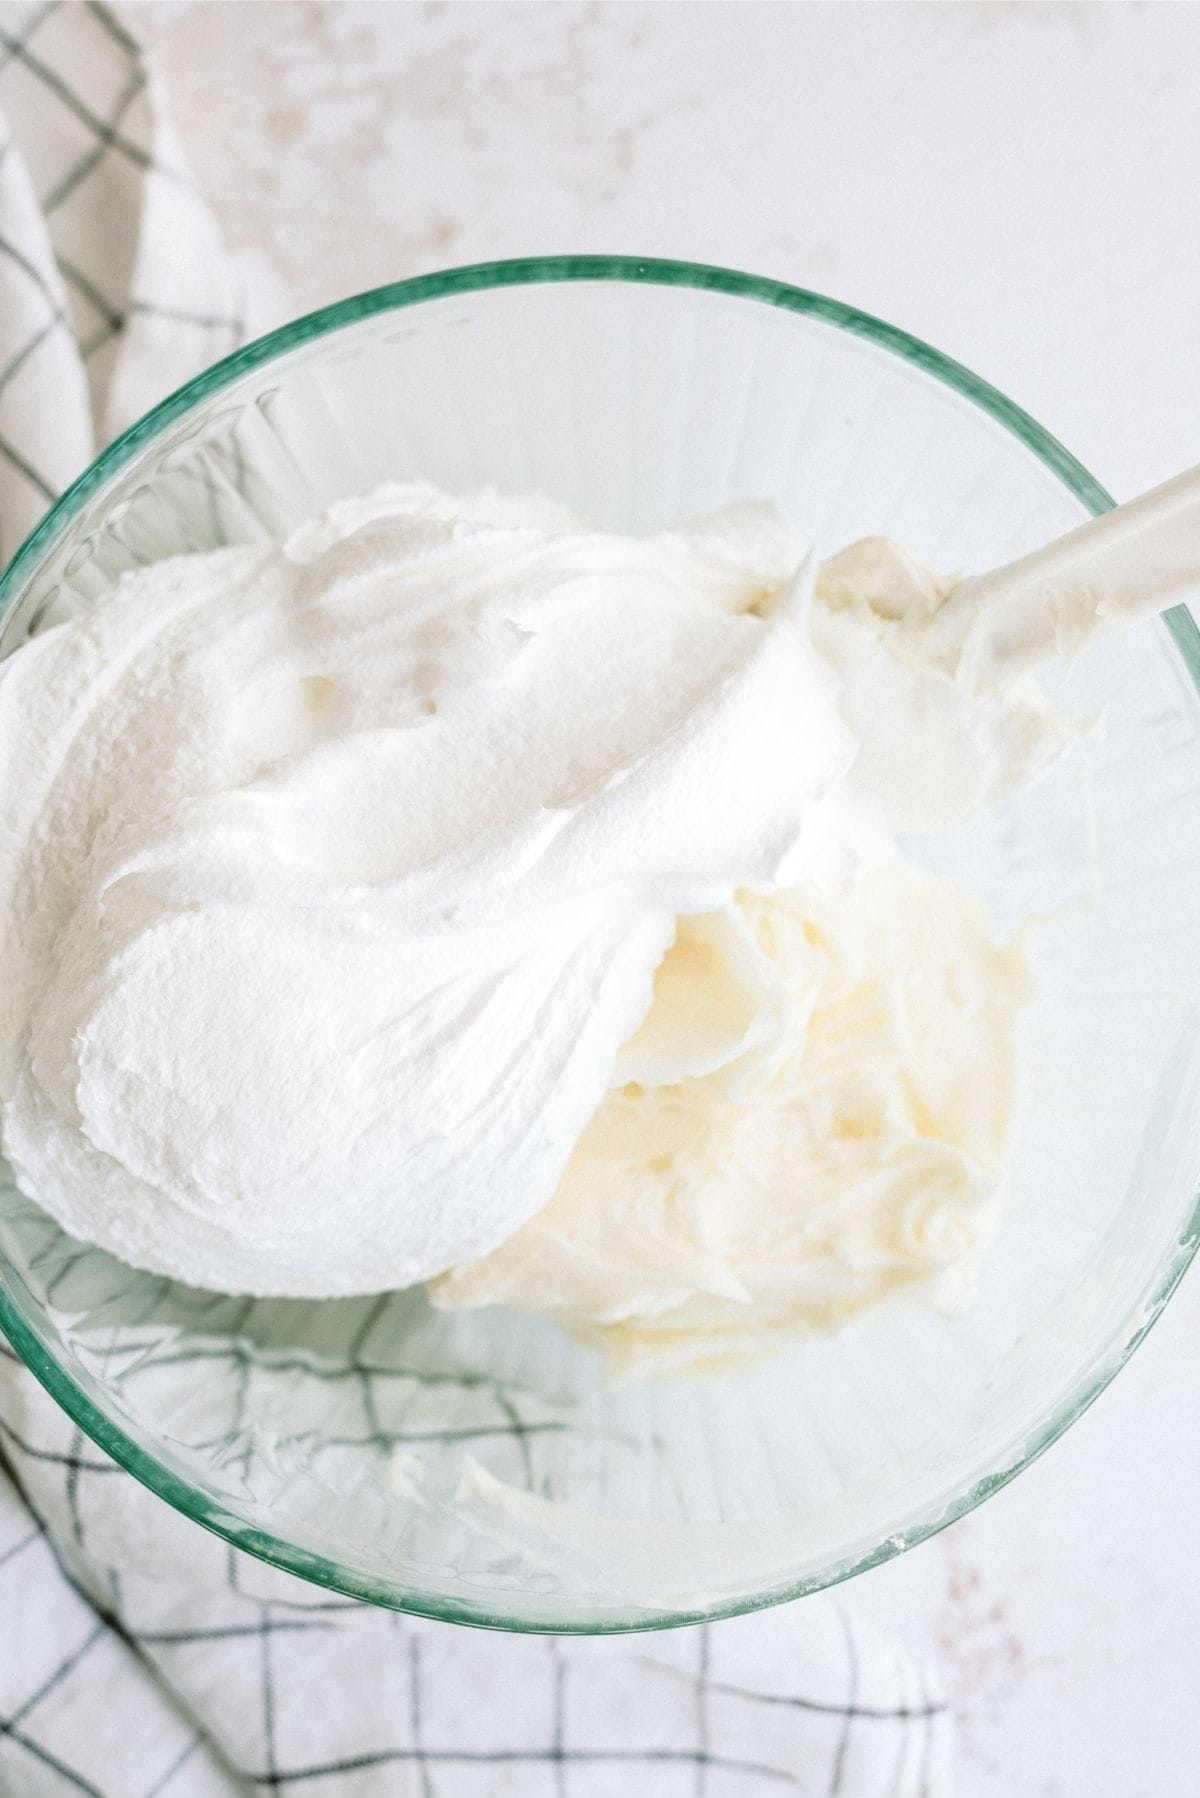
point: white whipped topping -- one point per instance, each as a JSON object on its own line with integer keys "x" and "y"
{"x": 456, "y": 888}
{"x": 934, "y": 750}
{"x": 334, "y": 876}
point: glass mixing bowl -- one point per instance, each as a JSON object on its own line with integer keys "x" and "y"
{"x": 475, "y": 1466}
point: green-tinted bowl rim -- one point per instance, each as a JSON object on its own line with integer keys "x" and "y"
{"x": 394, "y": 297}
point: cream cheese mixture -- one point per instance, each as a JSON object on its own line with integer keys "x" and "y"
{"x": 456, "y": 891}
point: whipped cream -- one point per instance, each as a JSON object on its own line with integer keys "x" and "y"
{"x": 934, "y": 748}
{"x": 455, "y": 891}
{"x": 334, "y": 875}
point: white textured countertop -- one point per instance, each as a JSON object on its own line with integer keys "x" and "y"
{"x": 1017, "y": 182}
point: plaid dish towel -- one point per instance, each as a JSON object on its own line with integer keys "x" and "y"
{"x": 140, "y": 1657}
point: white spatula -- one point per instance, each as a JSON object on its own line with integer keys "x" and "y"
{"x": 1130, "y": 563}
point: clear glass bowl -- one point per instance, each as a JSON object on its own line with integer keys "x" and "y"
{"x": 475, "y": 1467}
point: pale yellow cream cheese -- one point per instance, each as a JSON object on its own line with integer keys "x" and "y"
{"x": 811, "y": 1121}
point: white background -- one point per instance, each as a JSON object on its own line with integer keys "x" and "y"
{"x": 1019, "y": 182}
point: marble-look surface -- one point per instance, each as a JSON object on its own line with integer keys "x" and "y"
{"x": 1015, "y": 181}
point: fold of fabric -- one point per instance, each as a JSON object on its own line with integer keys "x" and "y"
{"x": 114, "y": 284}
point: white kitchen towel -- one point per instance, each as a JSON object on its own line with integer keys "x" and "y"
{"x": 116, "y": 287}
{"x": 141, "y": 1657}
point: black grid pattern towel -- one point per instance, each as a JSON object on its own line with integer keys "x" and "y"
{"x": 140, "y": 1656}
{"x": 113, "y": 281}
